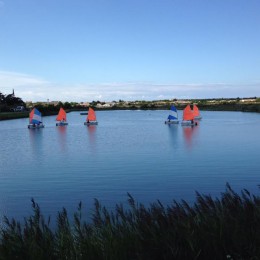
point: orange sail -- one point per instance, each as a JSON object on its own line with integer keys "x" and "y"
{"x": 91, "y": 115}
{"x": 62, "y": 116}
{"x": 196, "y": 111}
{"x": 187, "y": 113}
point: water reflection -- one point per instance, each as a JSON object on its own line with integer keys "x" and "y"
{"x": 92, "y": 136}
{"x": 189, "y": 133}
{"x": 173, "y": 133}
{"x": 62, "y": 135}
{"x": 36, "y": 137}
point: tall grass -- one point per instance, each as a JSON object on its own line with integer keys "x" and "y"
{"x": 212, "y": 228}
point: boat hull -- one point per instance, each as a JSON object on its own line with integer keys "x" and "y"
{"x": 61, "y": 124}
{"x": 198, "y": 117}
{"x": 172, "y": 122}
{"x": 91, "y": 123}
{"x": 83, "y": 113}
{"x": 188, "y": 123}
{"x": 34, "y": 126}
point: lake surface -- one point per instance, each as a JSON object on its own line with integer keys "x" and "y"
{"x": 129, "y": 151}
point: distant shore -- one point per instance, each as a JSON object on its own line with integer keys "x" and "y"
{"x": 248, "y": 105}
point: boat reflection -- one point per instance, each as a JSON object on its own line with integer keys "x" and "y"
{"x": 173, "y": 133}
{"x": 62, "y": 135}
{"x": 36, "y": 137}
{"x": 189, "y": 133}
{"x": 92, "y": 135}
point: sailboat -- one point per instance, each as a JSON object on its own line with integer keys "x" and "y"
{"x": 62, "y": 118}
{"x": 35, "y": 119}
{"x": 173, "y": 116}
{"x": 91, "y": 118}
{"x": 188, "y": 117}
{"x": 196, "y": 112}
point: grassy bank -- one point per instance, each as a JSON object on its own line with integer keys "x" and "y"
{"x": 16, "y": 115}
{"x": 231, "y": 107}
{"x": 224, "y": 228}
{"x": 149, "y": 105}
{"x": 13, "y": 115}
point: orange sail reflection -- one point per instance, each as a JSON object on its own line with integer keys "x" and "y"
{"x": 189, "y": 133}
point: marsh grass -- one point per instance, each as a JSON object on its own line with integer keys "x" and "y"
{"x": 221, "y": 228}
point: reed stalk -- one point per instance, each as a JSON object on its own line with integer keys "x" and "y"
{"x": 212, "y": 228}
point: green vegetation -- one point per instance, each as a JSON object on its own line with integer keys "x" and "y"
{"x": 13, "y": 115}
{"x": 10, "y": 102}
{"x": 225, "y": 228}
{"x": 230, "y": 106}
{"x": 52, "y": 108}
{"x": 45, "y": 108}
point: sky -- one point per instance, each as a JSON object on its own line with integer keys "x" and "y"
{"x": 106, "y": 50}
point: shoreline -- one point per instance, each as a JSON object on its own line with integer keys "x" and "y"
{"x": 236, "y": 107}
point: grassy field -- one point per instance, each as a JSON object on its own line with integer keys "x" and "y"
{"x": 211, "y": 228}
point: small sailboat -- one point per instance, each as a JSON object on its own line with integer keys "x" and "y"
{"x": 173, "y": 116}
{"x": 196, "y": 113}
{"x": 91, "y": 118}
{"x": 35, "y": 119}
{"x": 188, "y": 117}
{"x": 62, "y": 118}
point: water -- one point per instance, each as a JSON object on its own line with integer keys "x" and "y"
{"x": 129, "y": 151}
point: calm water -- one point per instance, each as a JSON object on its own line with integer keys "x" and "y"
{"x": 129, "y": 151}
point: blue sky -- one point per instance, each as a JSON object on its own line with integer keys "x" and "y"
{"x": 106, "y": 50}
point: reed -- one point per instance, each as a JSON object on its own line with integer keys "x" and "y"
{"x": 212, "y": 228}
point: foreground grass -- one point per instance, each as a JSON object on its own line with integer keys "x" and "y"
{"x": 225, "y": 228}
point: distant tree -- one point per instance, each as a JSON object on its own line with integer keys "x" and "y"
{"x": 51, "y": 107}
{"x": 2, "y": 98}
{"x": 67, "y": 105}
{"x": 60, "y": 104}
{"x": 202, "y": 102}
{"x": 9, "y": 102}
{"x": 94, "y": 103}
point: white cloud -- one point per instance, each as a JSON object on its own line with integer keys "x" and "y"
{"x": 32, "y": 88}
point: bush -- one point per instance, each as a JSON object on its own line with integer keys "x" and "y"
{"x": 209, "y": 229}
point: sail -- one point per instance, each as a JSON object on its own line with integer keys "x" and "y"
{"x": 35, "y": 116}
{"x": 62, "y": 116}
{"x": 91, "y": 115}
{"x": 173, "y": 115}
{"x": 196, "y": 111}
{"x": 187, "y": 113}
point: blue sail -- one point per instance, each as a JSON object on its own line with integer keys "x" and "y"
{"x": 173, "y": 108}
{"x": 173, "y": 115}
{"x": 170, "y": 117}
